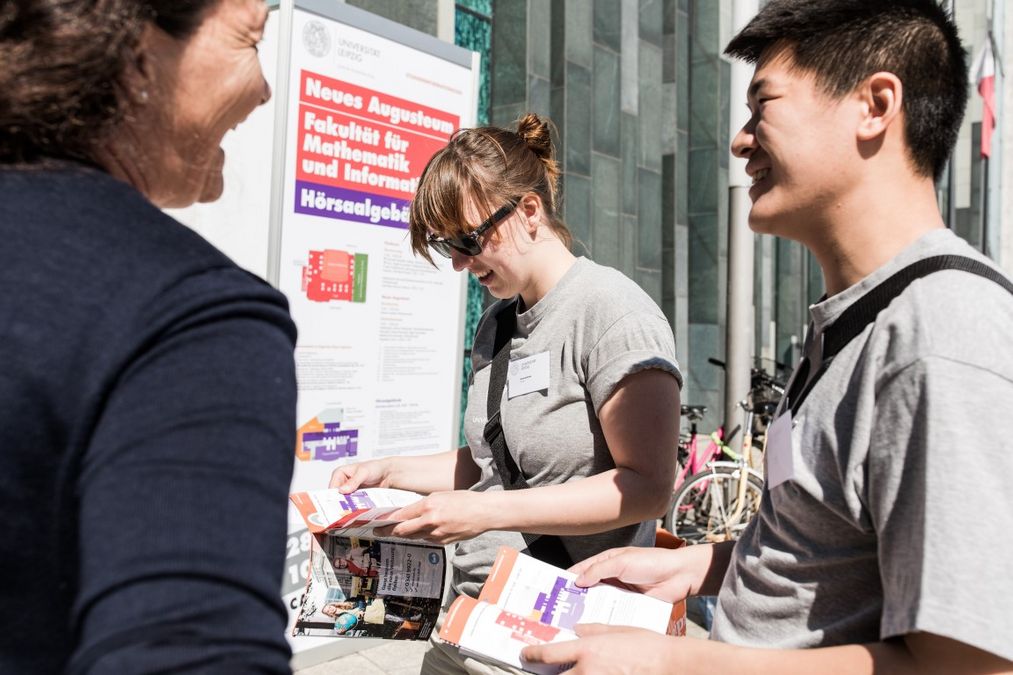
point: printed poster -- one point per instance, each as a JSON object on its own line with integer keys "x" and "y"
{"x": 378, "y": 359}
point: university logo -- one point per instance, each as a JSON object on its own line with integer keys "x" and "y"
{"x": 315, "y": 39}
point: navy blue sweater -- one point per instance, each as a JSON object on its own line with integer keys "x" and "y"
{"x": 147, "y": 417}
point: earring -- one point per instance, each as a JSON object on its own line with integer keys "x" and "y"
{"x": 143, "y": 96}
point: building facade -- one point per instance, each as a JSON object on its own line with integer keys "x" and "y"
{"x": 639, "y": 93}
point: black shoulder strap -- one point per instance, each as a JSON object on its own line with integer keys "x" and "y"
{"x": 509, "y": 472}
{"x": 547, "y": 548}
{"x": 506, "y": 324}
{"x": 864, "y": 311}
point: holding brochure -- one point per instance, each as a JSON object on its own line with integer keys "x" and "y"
{"x": 526, "y": 601}
{"x": 360, "y": 586}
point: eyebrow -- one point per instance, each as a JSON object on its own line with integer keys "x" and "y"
{"x": 755, "y": 87}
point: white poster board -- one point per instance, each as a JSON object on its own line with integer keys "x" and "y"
{"x": 367, "y": 103}
{"x": 316, "y": 188}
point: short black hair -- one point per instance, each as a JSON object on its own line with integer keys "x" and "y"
{"x": 842, "y": 42}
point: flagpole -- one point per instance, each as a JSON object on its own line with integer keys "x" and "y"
{"x": 951, "y": 179}
{"x": 984, "y": 75}
{"x": 986, "y": 247}
{"x": 984, "y": 207}
{"x": 998, "y": 37}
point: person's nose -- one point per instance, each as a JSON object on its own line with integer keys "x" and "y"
{"x": 744, "y": 142}
{"x": 265, "y": 95}
{"x": 459, "y": 260}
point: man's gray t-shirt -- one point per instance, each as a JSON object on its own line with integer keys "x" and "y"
{"x": 597, "y": 327}
{"x": 899, "y": 515}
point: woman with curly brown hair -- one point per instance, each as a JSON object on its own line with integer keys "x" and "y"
{"x": 571, "y": 422}
{"x": 147, "y": 390}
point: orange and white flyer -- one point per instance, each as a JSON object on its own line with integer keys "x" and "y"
{"x": 526, "y": 601}
{"x": 490, "y": 633}
{"x": 523, "y": 585}
{"x": 331, "y": 511}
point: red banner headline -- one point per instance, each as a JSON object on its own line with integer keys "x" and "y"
{"x": 344, "y": 151}
{"x": 372, "y": 105}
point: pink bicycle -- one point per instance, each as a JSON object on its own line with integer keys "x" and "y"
{"x": 717, "y": 489}
{"x": 713, "y": 499}
{"x": 693, "y": 459}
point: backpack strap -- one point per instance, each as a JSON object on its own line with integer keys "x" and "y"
{"x": 547, "y": 548}
{"x": 864, "y": 311}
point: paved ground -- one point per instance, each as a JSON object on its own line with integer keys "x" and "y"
{"x": 393, "y": 657}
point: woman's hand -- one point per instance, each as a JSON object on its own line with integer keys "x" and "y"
{"x": 424, "y": 474}
{"x": 668, "y": 574}
{"x": 351, "y": 477}
{"x": 443, "y": 517}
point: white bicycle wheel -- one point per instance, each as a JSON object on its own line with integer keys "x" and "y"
{"x": 705, "y": 508}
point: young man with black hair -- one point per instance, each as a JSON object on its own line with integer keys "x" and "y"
{"x": 884, "y": 536}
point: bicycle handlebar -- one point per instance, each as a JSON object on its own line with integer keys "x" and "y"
{"x": 758, "y": 376}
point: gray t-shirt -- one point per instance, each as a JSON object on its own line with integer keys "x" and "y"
{"x": 898, "y": 518}
{"x": 597, "y": 327}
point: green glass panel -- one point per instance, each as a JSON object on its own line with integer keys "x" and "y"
{"x": 483, "y": 7}
{"x": 475, "y": 33}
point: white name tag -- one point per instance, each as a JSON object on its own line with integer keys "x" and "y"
{"x": 779, "y": 457}
{"x": 527, "y": 375}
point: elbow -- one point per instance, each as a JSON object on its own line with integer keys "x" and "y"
{"x": 658, "y": 506}
{"x": 653, "y": 495}
{"x": 657, "y": 489}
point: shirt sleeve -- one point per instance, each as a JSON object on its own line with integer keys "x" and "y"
{"x": 941, "y": 505}
{"x": 636, "y": 341}
{"x": 183, "y": 490}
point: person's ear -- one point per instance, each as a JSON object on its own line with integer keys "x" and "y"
{"x": 138, "y": 73}
{"x": 151, "y": 63}
{"x": 533, "y": 212}
{"x": 881, "y": 97}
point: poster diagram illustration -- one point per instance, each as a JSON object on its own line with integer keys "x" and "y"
{"x": 359, "y": 152}
{"x": 322, "y": 438}
{"x": 528, "y": 631}
{"x": 333, "y": 275}
{"x": 562, "y": 606}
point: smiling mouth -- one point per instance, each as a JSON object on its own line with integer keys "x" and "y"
{"x": 482, "y": 275}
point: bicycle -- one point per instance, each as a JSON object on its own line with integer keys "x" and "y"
{"x": 716, "y": 502}
{"x": 691, "y": 458}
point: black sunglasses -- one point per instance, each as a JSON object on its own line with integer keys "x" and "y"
{"x": 470, "y": 244}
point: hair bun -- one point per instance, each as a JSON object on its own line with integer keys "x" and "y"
{"x": 534, "y": 131}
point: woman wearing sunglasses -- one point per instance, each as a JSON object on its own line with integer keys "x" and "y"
{"x": 571, "y": 420}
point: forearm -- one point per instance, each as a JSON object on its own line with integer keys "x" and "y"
{"x": 603, "y": 649}
{"x": 704, "y": 657}
{"x": 425, "y": 474}
{"x": 896, "y": 657}
{"x": 720, "y": 556}
{"x": 606, "y": 501}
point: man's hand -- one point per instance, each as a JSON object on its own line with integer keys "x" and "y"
{"x": 670, "y": 575}
{"x": 612, "y": 650}
{"x": 608, "y": 649}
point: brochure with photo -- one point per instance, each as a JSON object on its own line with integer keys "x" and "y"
{"x": 362, "y": 586}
